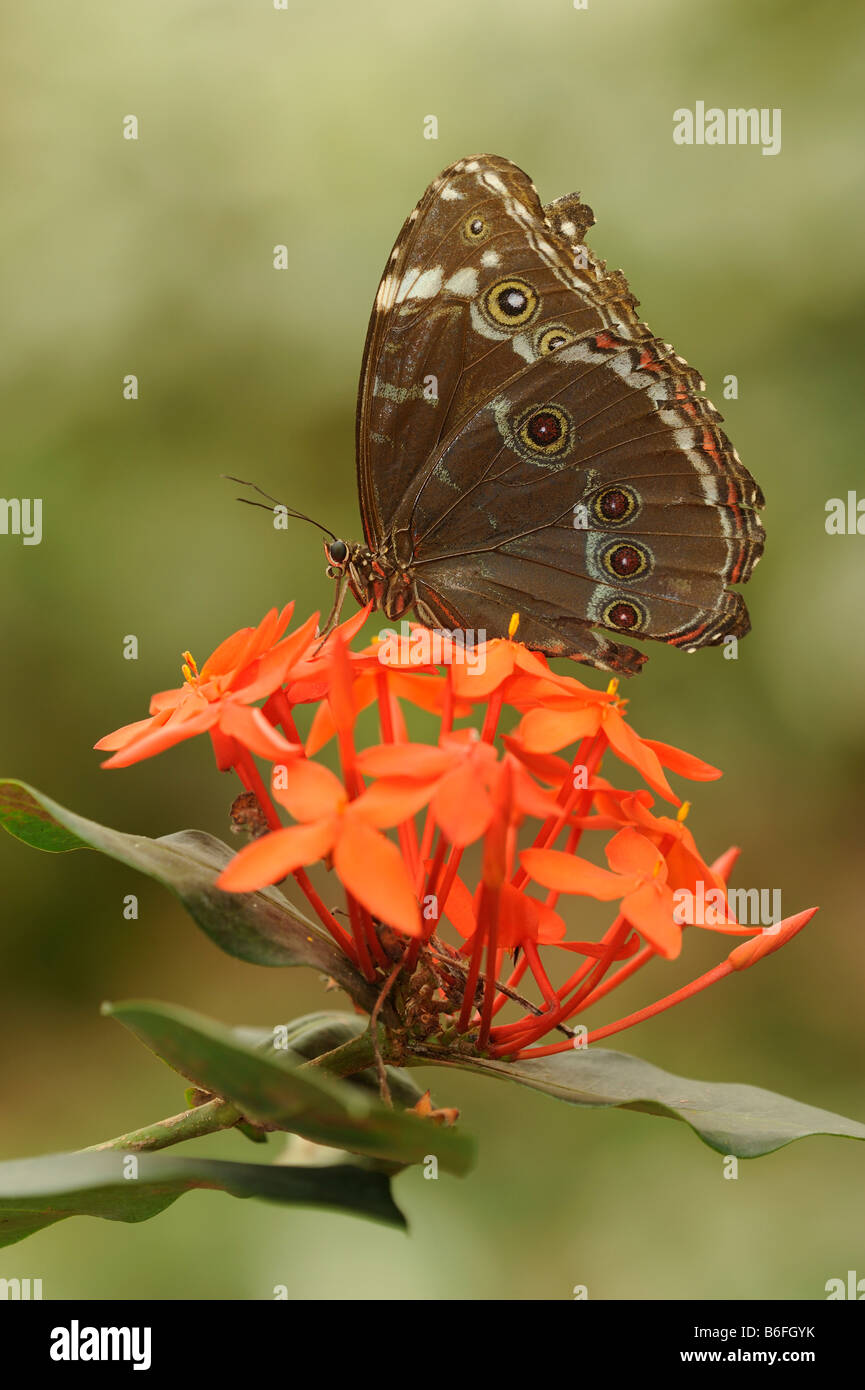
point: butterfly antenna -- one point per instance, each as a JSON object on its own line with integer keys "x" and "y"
{"x": 290, "y": 511}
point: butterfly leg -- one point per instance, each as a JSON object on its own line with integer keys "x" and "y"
{"x": 339, "y": 600}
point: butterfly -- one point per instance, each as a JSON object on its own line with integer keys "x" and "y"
{"x": 526, "y": 444}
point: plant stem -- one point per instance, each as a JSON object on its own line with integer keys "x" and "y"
{"x": 190, "y": 1124}
{"x": 353, "y": 1056}
{"x": 218, "y": 1114}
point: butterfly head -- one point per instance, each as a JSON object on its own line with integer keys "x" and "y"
{"x": 338, "y": 555}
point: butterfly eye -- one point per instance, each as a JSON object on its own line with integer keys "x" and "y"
{"x": 552, "y": 337}
{"x": 629, "y": 616}
{"x": 626, "y": 561}
{"x": 544, "y": 429}
{"x": 337, "y": 553}
{"x": 511, "y": 303}
{"x": 475, "y": 229}
{"x": 615, "y": 505}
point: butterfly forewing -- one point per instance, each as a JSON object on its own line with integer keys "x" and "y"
{"x": 526, "y": 444}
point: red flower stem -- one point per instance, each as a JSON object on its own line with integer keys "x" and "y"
{"x": 488, "y": 926}
{"x": 339, "y": 934}
{"x": 447, "y": 719}
{"x": 432, "y": 878}
{"x": 719, "y": 972}
{"x": 569, "y": 797}
{"x": 357, "y": 928}
{"x": 491, "y": 720}
{"x": 570, "y": 847}
{"x": 617, "y": 936}
{"x": 425, "y": 847}
{"x": 516, "y": 975}
{"x": 350, "y": 775}
{"x": 435, "y": 867}
{"x": 534, "y": 1026}
{"x": 372, "y": 939}
{"x": 406, "y": 830}
{"x": 286, "y": 718}
{"x": 473, "y": 972}
{"x": 533, "y": 958}
{"x": 447, "y": 882}
{"x": 573, "y": 981}
{"x": 624, "y": 973}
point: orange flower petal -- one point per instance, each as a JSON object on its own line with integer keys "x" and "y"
{"x": 567, "y": 873}
{"x": 226, "y": 656}
{"x": 459, "y": 908}
{"x": 340, "y": 692}
{"x": 684, "y": 763}
{"x": 307, "y": 790}
{"x": 547, "y": 767}
{"x": 166, "y": 700}
{"x": 426, "y": 692}
{"x": 164, "y": 736}
{"x": 404, "y": 760}
{"x": 462, "y": 805}
{"x": 273, "y": 856}
{"x": 547, "y": 730}
{"x": 256, "y": 733}
{"x": 725, "y": 863}
{"x": 631, "y": 749}
{"x": 495, "y": 662}
{"x": 392, "y": 800}
{"x": 650, "y": 910}
{"x": 323, "y": 725}
{"x": 530, "y": 799}
{"x": 371, "y": 868}
{"x": 128, "y": 733}
{"x": 524, "y": 918}
{"x": 629, "y": 852}
{"x": 273, "y": 668}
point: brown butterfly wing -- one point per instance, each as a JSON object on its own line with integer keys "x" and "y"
{"x": 570, "y": 469}
{"x": 423, "y": 328}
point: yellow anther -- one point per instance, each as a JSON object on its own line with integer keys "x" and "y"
{"x": 189, "y": 668}
{"x": 657, "y": 868}
{"x": 513, "y": 624}
{"x": 613, "y": 686}
{"x": 682, "y": 813}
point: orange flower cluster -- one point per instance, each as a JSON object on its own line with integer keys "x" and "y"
{"x": 395, "y": 825}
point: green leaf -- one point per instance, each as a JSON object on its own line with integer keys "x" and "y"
{"x": 741, "y": 1120}
{"x": 314, "y": 1034}
{"x": 36, "y": 1192}
{"x": 262, "y": 928}
{"x": 269, "y": 1090}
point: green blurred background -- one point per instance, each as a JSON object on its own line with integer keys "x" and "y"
{"x": 305, "y": 127}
